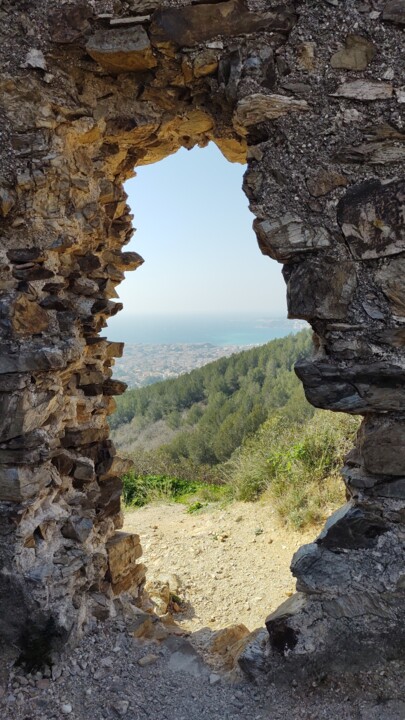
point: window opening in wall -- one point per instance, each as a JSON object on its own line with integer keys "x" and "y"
{"x": 208, "y": 441}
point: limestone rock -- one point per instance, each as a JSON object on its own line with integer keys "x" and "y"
{"x": 287, "y": 236}
{"x": 258, "y": 107}
{"x": 35, "y": 59}
{"x": 122, "y": 50}
{"x": 229, "y": 643}
{"x": 365, "y": 90}
{"x": 357, "y": 54}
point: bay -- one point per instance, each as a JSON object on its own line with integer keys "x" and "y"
{"x": 195, "y": 329}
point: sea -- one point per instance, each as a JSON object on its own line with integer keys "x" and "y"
{"x": 195, "y": 329}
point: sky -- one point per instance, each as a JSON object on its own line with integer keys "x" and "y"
{"x": 194, "y": 231}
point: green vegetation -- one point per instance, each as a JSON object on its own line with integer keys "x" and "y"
{"x": 295, "y": 466}
{"x": 205, "y": 415}
{"x": 239, "y": 427}
{"x": 140, "y": 490}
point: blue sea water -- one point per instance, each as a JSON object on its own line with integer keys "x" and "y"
{"x": 188, "y": 329}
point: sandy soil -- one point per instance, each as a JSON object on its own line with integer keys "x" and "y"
{"x": 233, "y": 561}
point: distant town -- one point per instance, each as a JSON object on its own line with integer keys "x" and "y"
{"x": 146, "y": 364}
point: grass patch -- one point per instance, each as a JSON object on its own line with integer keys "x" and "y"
{"x": 295, "y": 467}
{"x": 139, "y": 490}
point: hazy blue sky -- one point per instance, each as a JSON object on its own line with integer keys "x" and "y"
{"x": 194, "y": 231}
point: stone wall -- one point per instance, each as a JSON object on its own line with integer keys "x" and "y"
{"x": 312, "y": 95}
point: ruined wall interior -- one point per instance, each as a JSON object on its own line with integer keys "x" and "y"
{"x": 312, "y": 93}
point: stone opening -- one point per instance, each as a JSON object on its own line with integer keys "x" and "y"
{"x": 315, "y": 109}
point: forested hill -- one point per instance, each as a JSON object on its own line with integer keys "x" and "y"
{"x": 211, "y": 410}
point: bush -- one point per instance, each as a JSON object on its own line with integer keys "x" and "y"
{"x": 142, "y": 489}
{"x": 295, "y": 467}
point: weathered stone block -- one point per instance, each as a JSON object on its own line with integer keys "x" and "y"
{"x": 320, "y": 288}
{"x": 108, "y": 502}
{"x": 27, "y": 317}
{"x": 282, "y": 636}
{"x": 324, "y": 180}
{"x": 258, "y": 108}
{"x": 391, "y": 279}
{"x": 372, "y": 219}
{"x": 394, "y": 10}
{"x": 21, "y": 483}
{"x": 287, "y": 236}
{"x": 365, "y": 90}
{"x": 352, "y": 528}
{"x": 357, "y": 54}
{"x": 122, "y": 50}
{"x": 77, "y": 528}
{"x": 377, "y": 387}
{"x": 123, "y": 551}
{"x": 382, "y": 446}
{"x": 191, "y": 25}
{"x": 85, "y": 436}
{"x": 25, "y": 411}
{"x": 84, "y": 469}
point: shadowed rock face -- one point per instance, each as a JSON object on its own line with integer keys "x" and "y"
{"x": 316, "y": 112}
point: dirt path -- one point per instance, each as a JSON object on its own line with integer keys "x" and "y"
{"x": 233, "y": 561}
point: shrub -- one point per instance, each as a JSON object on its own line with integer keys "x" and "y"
{"x": 295, "y": 467}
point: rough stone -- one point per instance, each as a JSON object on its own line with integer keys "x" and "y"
{"x": 27, "y": 317}
{"x": 324, "y": 181}
{"x": 258, "y": 107}
{"x": 320, "y": 288}
{"x": 371, "y": 219}
{"x": 357, "y": 54}
{"x": 123, "y": 551}
{"x": 382, "y": 446}
{"x": 365, "y": 90}
{"x": 283, "y": 238}
{"x": 394, "y": 11}
{"x": 390, "y": 277}
{"x": 122, "y": 50}
{"x": 191, "y": 25}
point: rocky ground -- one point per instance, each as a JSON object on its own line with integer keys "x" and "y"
{"x": 231, "y": 566}
{"x": 232, "y": 562}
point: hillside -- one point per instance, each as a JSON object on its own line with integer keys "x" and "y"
{"x": 204, "y": 415}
